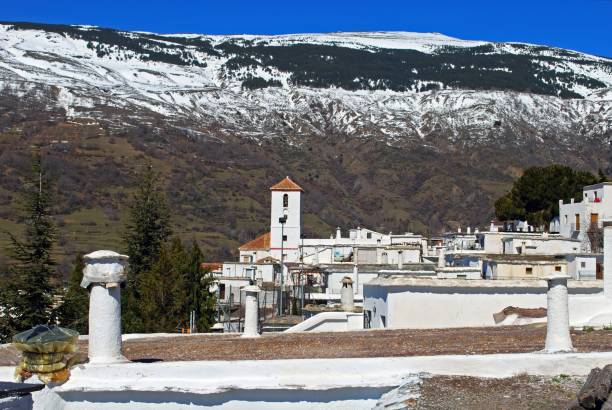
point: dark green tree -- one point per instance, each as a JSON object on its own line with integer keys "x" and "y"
{"x": 28, "y": 298}
{"x": 74, "y": 310}
{"x": 147, "y": 229}
{"x": 535, "y": 195}
{"x": 160, "y": 290}
{"x": 148, "y": 224}
{"x": 175, "y": 286}
{"x": 198, "y": 282}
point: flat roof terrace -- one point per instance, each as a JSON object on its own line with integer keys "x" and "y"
{"x": 367, "y": 343}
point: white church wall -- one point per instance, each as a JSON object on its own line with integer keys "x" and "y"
{"x": 291, "y": 229}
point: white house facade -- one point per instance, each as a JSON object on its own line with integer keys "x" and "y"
{"x": 576, "y": 218}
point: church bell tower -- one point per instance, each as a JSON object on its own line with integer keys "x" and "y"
{"x": 286, "y": 220}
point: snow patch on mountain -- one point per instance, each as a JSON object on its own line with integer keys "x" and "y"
{"x": 208, "y": 93}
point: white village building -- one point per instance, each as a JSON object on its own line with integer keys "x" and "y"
{"x": 580, "y": 220}
{"x": 283, "y": 244}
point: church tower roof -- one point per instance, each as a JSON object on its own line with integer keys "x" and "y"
{"x": 261, "y": 243}
{"x": 286, "y": 185}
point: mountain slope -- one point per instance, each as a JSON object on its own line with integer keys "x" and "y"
{"x": 397, "y": 131}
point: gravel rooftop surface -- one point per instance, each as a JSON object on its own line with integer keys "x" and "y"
{"x": 519, "y": 392}
{"x": 370, "y": 343}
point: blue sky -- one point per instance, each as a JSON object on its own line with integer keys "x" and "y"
{"x": 584, "y": 25}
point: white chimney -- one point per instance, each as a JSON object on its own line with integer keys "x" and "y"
{"x": 557, "y": 317}
{"x": 468, "y": 230}
{"x": 251, "y": 311}
{"x": 103, "y": 274}
{"x": 459, "y": 230}
{"x": 492, "y": 227}
{"x": 338, "y": 233}
{"x": 346, "y": 295}
{"x": 607, "y": 273}
{"x": 356, "y": 275}
{"x": 441, "y": 258}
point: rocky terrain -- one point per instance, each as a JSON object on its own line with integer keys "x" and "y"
{"x": 394, "y": 131}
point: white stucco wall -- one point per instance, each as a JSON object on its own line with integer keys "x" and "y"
{"x": 329, "y": 322}
{"x": 252, "y": 271}
{"x": 292, "y": 228}
{"x": 438, "y": 307}
{"x": 355, "y": 383}
{"x": 540, "y": 246}
{"x": 500, "y": 269}
{"x": 334, "y": 278}
{"x": 576, "y": 270}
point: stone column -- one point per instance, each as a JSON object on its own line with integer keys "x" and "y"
{"x": 607, "y": 271}
{"x": 251, "y": 312}
{"x": 103, "y": 274}
{"x": 557, "y": 322}
{"x": 346, "y": 295}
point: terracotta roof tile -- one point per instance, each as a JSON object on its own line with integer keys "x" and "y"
{"x": 212, "y": 266}
{"x": 286, "y": 185}
{"x": 260, "y": 243}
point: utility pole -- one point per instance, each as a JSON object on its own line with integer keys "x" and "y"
{"x": 282, "y": 220}
{"x": 302, "y": 276}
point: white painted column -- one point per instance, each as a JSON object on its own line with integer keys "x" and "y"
{"x": 356, "y": 275}
{"x": 607, "y": 272}
{"x": 251, "y": 312}
{"x": 103, "y": 274}
{"x": 346, "y": 295}
{"x": 400, "y": 260}
{"x": 441, "y": 258}
{"x": 557, "y": 322}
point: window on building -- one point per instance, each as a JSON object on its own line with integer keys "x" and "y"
{"x": 247, "y": 258}
{"x": 369, "y": 235}
{"x": 583, "y": 264}
{"x": 383, "y": 320}
{"x": 529, "y": 271}
{"x": 285, "y": 200}
{"x": 557, "y": 268}
{"x": 221, "y": 291}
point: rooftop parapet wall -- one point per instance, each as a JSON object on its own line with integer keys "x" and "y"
{"x": 317, "y": 382}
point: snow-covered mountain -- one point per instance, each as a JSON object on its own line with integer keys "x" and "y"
{"x": 405, "y": 88}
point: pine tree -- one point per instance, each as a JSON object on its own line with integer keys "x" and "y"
{"x": 175, "y": 287}
{"x": 27, "y": 300}
{"x": 74, "y": 310}
{"x": 198, "y": 282}
{"x": 157, "y": 289}
{"x": 149, "y": 224}
{"x": 146, "y": 231}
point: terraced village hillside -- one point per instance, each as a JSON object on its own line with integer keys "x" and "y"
{"x": 394, "y": 131}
